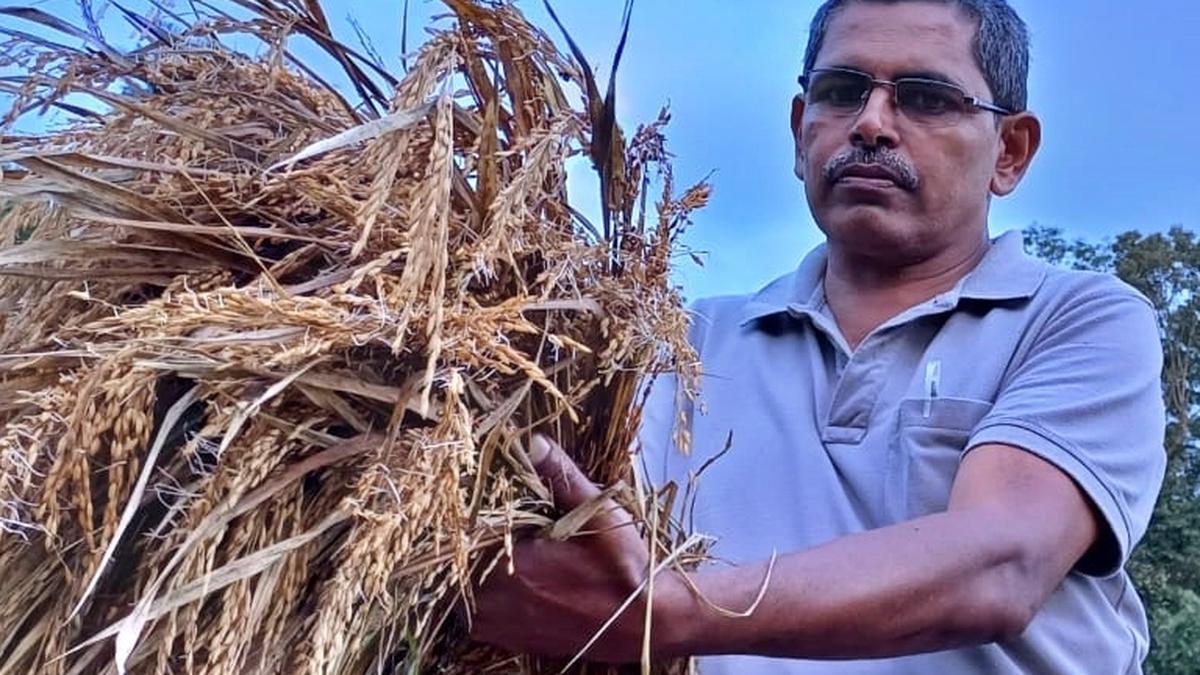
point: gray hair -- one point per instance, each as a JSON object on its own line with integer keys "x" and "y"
{"x": 1001, "y": 45}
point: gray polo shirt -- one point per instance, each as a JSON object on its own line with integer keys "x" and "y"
{"x": 829, "y": 441}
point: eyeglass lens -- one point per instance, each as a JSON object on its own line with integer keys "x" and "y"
{"x": 845, "y": 92}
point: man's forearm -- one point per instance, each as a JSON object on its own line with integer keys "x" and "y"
{"x": 934, "y": 583}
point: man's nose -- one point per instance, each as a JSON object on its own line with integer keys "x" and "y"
{"x": 875, "y": 124}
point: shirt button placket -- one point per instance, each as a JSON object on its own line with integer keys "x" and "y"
{"x": 856, "y": 391}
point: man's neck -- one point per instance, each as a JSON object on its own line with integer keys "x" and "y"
{"x": 863, "y": 294}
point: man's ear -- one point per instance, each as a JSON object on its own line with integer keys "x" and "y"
{"x": 1020, "y": 138}
{"x": 797, "y": 119}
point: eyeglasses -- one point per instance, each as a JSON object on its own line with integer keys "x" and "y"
{"x": 842, "y": 91}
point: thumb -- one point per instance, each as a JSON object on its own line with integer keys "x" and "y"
{"x": 568, "y": 484}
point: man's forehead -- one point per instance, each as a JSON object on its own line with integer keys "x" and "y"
{"x": 898, "y": 38}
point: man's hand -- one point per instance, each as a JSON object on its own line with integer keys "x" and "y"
{"x": 562, "y": 592}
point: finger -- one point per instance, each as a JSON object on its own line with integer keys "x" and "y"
{"x": 568, "y": 484}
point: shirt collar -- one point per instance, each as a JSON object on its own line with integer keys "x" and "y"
{"x": 1006, "y": 272}
{"x": 804, "y": 287}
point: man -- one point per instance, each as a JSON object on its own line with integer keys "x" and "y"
{"x": 952, "y": 447}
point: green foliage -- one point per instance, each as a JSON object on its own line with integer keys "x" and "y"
{"x": 1166, "y": 268}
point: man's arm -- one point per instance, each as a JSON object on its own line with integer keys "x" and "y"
{"x": 977, "y": 573}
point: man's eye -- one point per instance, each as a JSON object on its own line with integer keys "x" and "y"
{"x": 837, "y": 91}
{"x": 929, "y": 100}
{"x": 844, "y": 94}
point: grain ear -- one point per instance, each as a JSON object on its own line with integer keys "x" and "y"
{"x": 271, "y": 352}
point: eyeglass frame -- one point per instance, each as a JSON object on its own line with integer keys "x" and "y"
{"x": 974, "y": 102}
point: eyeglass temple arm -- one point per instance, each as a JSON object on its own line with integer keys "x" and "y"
{"x": 990, "y": 107}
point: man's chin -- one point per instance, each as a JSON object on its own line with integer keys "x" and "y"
{"x": 879, "y": 234}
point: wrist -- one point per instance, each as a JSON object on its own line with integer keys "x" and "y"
{"x": 680, "y": 620}
{"x": 714, "y": 612}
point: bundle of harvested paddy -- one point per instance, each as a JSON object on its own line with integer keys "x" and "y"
{"x": 269, "y": 359}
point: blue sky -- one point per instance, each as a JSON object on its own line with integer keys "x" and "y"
{"x": 1113, "y": 81}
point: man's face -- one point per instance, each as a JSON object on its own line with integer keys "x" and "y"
{"x": 946, "y": 171}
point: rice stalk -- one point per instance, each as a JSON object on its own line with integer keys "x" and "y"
{"x": 270, "y": 355}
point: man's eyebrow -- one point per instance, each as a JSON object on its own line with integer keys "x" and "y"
{"x": 930, "y": 75}
{"x": 843, "y": 66}
{"x": 934, "y": 75}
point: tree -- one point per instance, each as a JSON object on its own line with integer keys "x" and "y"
{"x": 1165, "y": 267}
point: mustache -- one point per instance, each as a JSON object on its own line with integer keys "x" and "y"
{"x": 905, "y": 174}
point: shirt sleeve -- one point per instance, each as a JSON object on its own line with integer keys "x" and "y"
{"x": 1087, "y": 397}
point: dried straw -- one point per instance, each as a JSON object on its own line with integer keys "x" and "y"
{"x": 269, "y": 359}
